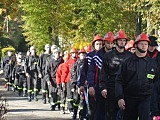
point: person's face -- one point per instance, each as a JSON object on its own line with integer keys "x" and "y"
{"x": 109, "y": 45}
{"x": 73, "y": 55}
{"x": 82, "y": 56}
{"x": 33, "y": 51}
{"x": 9, "y": 53}
{"x": 98, "y": 45}
{"x": 56, "y": 55}
{"x": 143, "y": 45}
{"x": 121, "y": 42}
{"x": 48, "y": 49}
{"x": 152, "y": 48}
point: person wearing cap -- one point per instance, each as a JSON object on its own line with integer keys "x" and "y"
{"x": 152, "y": 51}
{"x": 32, "y": 74}
{"x": 59, "y": 77}
{"x": 52, "y": 64}
{"x": 19, "y": 76}
{"x": 77, "y": 98}
{"x": 94, "y": 74}
{"x": 110, "y": 64}
{"x": 134, "y": 82}
{"x": 97, "y": 44}
{"x": 41, "y": 71}
{"x": 66, "y": 78}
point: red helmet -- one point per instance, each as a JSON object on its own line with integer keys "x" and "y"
{"x": 73, "y": 50}
{"x": 97, "y": 38}
{"x": 120, "y": 35}
{"x": 129, "y": 45}
{"x": 88, "y": 48}
{"x": 81, "y": 51}
{"x": 109, "y": 37}
{"x": 142, "y": 37}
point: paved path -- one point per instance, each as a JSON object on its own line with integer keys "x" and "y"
{"x": 20, "y": 109}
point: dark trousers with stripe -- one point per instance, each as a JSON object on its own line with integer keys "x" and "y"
{"x": 69, "y": 96}
{"x": 44, "y": 87}
{"x": 53, "y": 95}
{"x": 32, "y": 83}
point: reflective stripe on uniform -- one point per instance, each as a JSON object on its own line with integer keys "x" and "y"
{"x": 69, "y": 100}
{"x": 35, "y": 89}
{"x": 74, "y": 104}
{"x": 54, "y": 103}
{"x": 29, "y": 91}
{"x": 44, "y": 91}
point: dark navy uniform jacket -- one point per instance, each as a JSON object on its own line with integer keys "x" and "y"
{"x": 110, "y": 65}
{"x": 83, "y": 74}
{"x": 136, "y": 77}
{"x": 95, "y": 67}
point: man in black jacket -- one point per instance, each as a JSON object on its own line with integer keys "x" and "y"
{"x": 50, "y": 71}
{"x": 134, "y": 82}
{"x": 32, "y": 74}
{"x": 41, "y": 71}
{"x": 110, "y": 64}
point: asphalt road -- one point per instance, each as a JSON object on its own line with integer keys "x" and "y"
{"x": 20, "y": 109}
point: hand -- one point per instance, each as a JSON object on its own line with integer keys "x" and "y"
{"x": 91, "y": 91}
{"x": 48, "y": 82}
{"x": 63, "y": 85}
{"x": 121, "y": 104}
{"x": 154, "y": 118}
{"x": 12, "y": 78}
{"x": 73, "y": 90}
{"x": 104, "y": 93}
{"x": 27, "y": 74}
{"x": 80, "y": 90}
{"x": 40, "y": 75}
{"x": 2, "y": 71}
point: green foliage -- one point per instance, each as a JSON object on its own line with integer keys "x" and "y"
{"x": 68, "y": 22}
{"x": 4, "y": 50}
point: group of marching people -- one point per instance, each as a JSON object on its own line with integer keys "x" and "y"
{"x": 112, "y": 80}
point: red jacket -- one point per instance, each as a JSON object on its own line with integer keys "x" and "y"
{"x": 59, "y": 73}
{"x": 66, "y": 70}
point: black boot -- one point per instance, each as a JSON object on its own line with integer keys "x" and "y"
{"x": 59, "y": 107}
{"x": 44, "y": 98}
{"x": 53, "y": 107}
{"x": 19, "y": 93}
{"x": 75, "y": 113}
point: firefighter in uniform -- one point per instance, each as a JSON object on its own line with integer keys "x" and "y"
{"x": 134, "y": 82}
{"x": 78, "y": 100}
{"x": 59, "y": 76}
{"x": 41, "y": 71}
{"x": 94, "y": 75}
{"x": 50, "y": 72}
{"x": 19, "y": 76}
{"x": 110, "y": 64}
{"x": 32, "y": 74}
{"x": 66, "y": 78}
{"x": 6, "y": 68}
{"x": 97, "y": 44}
